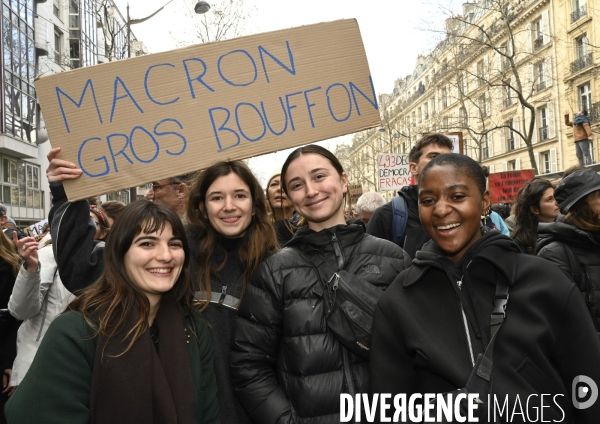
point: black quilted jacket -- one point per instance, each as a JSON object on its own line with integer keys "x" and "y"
{"x": 552, "y": 239}
{"x": 286, "y": 365}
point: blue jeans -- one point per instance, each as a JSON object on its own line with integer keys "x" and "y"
{"x": 582, "y": 149}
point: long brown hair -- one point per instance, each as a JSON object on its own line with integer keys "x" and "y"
{"x": 259, "y": 241}
{"x": 8, "y": 253}
{"x": 583, "y": 216}
{"x": 115, "y": 294}
{"x": 526, "y": 222}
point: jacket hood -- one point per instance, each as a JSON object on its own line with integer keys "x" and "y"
{"x": 411, "y": 194}
{"x": 564, "y": 232}
{"x": 492, "y": 247}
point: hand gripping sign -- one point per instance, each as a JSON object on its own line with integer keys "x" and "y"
{"x": 128, "y": 122}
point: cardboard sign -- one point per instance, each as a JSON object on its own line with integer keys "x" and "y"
{"x": 504, "y": 186}
{"x": 37, "y": 228}
{"x": 393, "y": 171}
{"x": 457, "y": 140}
{"x": 129, "y": 122}
{"x": 355, "y": 191}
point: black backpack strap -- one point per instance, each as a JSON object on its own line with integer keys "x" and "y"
{"x": 399, "y": 219}
{"x": 485, "y": 364}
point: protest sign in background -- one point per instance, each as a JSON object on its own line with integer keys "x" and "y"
{"x": 393, "y": 171}
{"x": 504, "y": 186}
{"x": 355, "y": 191}
{"x": 129, "y": 122}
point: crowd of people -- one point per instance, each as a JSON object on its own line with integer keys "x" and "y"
{"x": 214, "y": 300}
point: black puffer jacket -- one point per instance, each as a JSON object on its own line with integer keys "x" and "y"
{"x": 286, "y": 364}
{"x": 552, "y": 241}
{"x": 423, "y": 342}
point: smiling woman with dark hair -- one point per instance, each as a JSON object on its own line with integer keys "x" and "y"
{"x": 287, "y": 365}
{"x": 132, "y": 348}
{"x": 440, "y": 315}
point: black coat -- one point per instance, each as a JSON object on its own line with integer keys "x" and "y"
{"x": 552, "y": 239}
{"x": 380, "y": 224}
{"x": 420, "y": 343}
{"x": 286, "y": 364}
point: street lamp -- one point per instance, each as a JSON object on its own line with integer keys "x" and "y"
{"x": 200, "y": 8}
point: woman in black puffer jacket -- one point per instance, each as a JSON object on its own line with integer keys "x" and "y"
{"x": 286, "y": 365}
{"x": 578, "y": 196}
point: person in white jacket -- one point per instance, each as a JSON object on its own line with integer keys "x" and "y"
{"x": 37, "y": 298}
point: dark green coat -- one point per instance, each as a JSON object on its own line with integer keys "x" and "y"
{"x": 57, "y": 387}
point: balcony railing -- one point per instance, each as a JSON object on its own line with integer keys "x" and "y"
{"x": 579, "y": 13}
{"x": 581, "y": 63}
{"x": 541, "y": 86}
{"x": 538, "y": 43}
{"x": 544, "y": 133}
{"x": 594, "y": 112}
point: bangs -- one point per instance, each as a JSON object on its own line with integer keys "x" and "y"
{"x": 156, "y": 222}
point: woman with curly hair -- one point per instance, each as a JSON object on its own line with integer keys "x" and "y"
{"x": 535, "y": 203}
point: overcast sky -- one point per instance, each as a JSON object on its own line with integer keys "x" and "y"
{"x": 394, "y": 33}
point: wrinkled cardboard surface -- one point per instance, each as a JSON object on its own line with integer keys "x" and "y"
{"x": 148, "y": 118}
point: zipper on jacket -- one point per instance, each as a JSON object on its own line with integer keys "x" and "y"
{"x": 466, "y": 323}
{"x": 337, "y": 251}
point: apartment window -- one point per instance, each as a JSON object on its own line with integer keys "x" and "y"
{"x": 83, "y": 33}
{"x": 21, "y": 184}
{"x": 545, "y": 162}
{"x": 446, "y": 122}
{"x": 543, "y": 120}
{"x": 583, "y": 58}
{"x": 462, "y": 117}
{"x": 508, "y": 100}
{"x": 57, "y": 46}
{"x": 119, "y": 196}
{"x": 56, "y": 8}
{"x": 426, "y": 110}
{"x": 445, "y": 97}
{"x": 486, "y": 146}
{"x": 19, "y": 106}
{"x": 480, "y": 73}
{"x": 420, "y": 115}
{"x": 540, "y": 71}
{"x": 585, "y": 97}
{"x": 510, "y": 135}
{"x": 512, "y": 165}
{"x": 538, "y": 37}
{"x": 483, "y": 105}
{"x": 579, "y": 8}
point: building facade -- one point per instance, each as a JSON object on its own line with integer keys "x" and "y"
{"x": 40, "y": 38}
{"x": 503, "y": 76}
